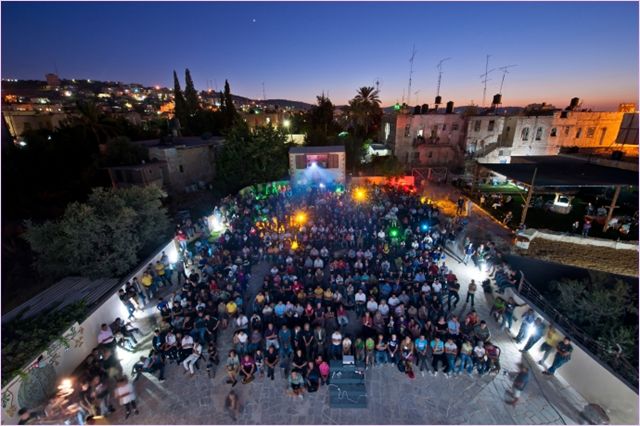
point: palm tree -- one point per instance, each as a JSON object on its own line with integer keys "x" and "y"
{"x": 364, "y": 110}
{"x": 91, "y": 120}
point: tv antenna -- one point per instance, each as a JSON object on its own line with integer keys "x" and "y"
{"x": 377, "y": 84}
{"x": 439, "y": 66}
{"x": 416, "y": 94}
{"x": 485, "y": 78}
{"x": 504, "y": 74}
{"x": 413, "y": 56}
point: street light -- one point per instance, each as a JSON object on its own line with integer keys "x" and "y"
{"x": 287, "y": 124}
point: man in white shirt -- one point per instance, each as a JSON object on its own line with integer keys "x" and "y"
{"x": 372, "y": 305}
{"x": 361, "y": 300}
{"x": 393, "y": 301}
{"x": 105, "y": 336}
{"x": 383, "y": 308}
{"x": 187, "y": 347}
{"x": 192, "y": 359}
{"x": 336, "y": 345}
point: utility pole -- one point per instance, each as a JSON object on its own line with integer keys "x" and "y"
{"x": 485, "y": 79}
{"x": 439, "y": 66}
{"x": 529, "y": 196}
{"x": 413, "y": 56}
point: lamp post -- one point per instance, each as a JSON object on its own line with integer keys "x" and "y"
{"x": 287, "y": 124}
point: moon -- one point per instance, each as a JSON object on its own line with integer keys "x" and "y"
{"x": 253, "y": 20}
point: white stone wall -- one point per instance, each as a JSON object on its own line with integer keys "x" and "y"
{"x": 476, "y": 140}
{"x": 588, "y": 377}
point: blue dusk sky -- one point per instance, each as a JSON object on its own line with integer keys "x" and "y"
{"x": 562, "y": 49}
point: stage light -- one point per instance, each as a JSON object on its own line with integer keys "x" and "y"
{"x": 360, "y": 194}
{"x": 424, "y": 227}
{"x": 314, "y": 164}
{"x": 294, "y": 245}
{"x": 322, "y": 185}
{"x": 173, "y": 254}
{"x": 393, "y": 232}
{"x": 301, "y": 218}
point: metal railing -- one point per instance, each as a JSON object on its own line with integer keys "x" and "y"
{"x": 612, "y": 360}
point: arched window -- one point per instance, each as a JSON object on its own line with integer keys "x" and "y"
{"x": 525, "y": 134}
{"x": 539, "y": 133}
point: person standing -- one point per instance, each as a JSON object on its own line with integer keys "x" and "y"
{"x": 471, "y": 292}
{"x": 271, "y": 361}
{"x": 126, "y": 396}
{"x": 551, "y": 340}
{"x": 519, "y": 383}
{"x": 563, "y": 355}
{"x": 192, "y": 359}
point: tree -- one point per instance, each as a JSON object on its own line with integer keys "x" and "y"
{"x": 181, "y": 110}
{"x": 321, "y": 128}
{"x": 92, "y": 122}
{"x": 365, "y": 113}
{"x": 228, "y": 108}
{"x": 121, "y": 152}
{"x": 104, "y": 237}
{"x": 252, "y": 157}
{"x": 190, "y": 95}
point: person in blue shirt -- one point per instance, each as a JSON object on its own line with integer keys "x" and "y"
{"x": 437, "y": 349}
{"x": 421, "y": 351}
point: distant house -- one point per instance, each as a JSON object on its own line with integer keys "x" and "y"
{"x": 144, "y": 174}
{"x": 315, "y": 165}
{"x": 187, "y": 163}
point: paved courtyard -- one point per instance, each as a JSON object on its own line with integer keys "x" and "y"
{"x": 392, "y": 397}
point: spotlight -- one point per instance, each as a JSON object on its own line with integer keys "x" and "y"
{"x": 322, "y": 185}
{"x": 393, "y": 232}
{"x": 360, "y": 194}
{"x": 314, "y": 164}
{"x": 294, "y": 245}
{"x": 301, "y": 218}
{"x": 424, "y": 227}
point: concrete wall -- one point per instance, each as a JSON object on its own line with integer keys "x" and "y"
{"x": 19, "y": 122}
{"x": 604, "y": 128}
{"x": 589, "y": 241}
{"x": 186, "y": 165}
{"x": 478, "y": 139}
{"x": 589, "y": 377}
{"x": 449, "y": 128}
{"x": 82, "y": 337}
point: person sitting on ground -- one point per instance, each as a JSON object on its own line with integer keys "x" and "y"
{"x": 296, "y": 384}
{"x": 247, "y": 369}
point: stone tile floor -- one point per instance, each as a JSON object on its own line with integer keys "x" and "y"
{"x": 393, "y": 398}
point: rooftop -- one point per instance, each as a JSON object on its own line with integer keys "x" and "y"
{"x": 316, "y": 149}
{"x": 560, "y": 171}
{"x": 182, "y": 142}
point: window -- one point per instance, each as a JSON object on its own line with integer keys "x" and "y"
{"x": 554, "y": 132}
{"x": 181, "y": 168}
{"x": 566, "y": 130}
{"x": 454, "y": 127}
{"x": 333, "y": 161}
{"x": 579, "y": 133}
{"x": 444, "y": 127}
{"x": 501, "y": 153}
{"x": 564, "y": 114}
{"x": 407, "y": 131}
{"x": 539, "y": 133}
{"x": 525, "y": 134}
{"x": 416, "y": 156}
{"x": 420, "y": 133}
{"x": 301, "y": 162}
{"x": 603, "y": 132}
{"x": 430, "y": 154}
{"x": 590, "y": 132}
{"x": 492, "y": 124}
{"x": 476, "y": 126}
{"x": 508, "y": 129}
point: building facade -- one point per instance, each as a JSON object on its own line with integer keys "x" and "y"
{"x": 145, "y": 174}
{"x": 188, "y": 163}
{"x": 430, "y": 140}
{"x": 315, "y": 165}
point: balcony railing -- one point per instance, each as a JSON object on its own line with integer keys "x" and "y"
{"x": 621, "y": 367}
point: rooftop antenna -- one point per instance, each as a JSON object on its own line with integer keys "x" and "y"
{"x": 440, "y": 74}
{"x": 413, "y": 56}
{"x": 504, "y": 74}
{"x": 417, "y": 99}
{"x": 402, "y": 96}
{"x": 485, "y": 79}
{"x": 377, "y": 83}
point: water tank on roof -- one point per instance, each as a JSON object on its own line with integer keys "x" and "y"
{"x": 425, "y": 108}
{"x": 497, "y": 99}
{"x": 438, "y": 100}
{"x": 416, "y": 110}
{"x": 449, "y": 107}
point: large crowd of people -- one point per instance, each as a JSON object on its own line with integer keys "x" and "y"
{"x": 361, "y": 273}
